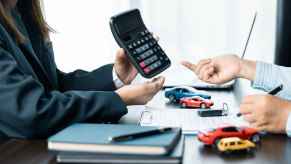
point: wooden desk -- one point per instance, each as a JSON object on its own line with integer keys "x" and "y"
{"x": 273, "y": 150}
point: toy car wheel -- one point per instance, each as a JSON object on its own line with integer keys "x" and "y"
{"x": 203, "y": 106}
{"x": 250, "y": 150}
{"x": 184, "y": 105}
{"x": 227, "y": 152}
{"x": 172, "y": 98}
{"x": 255, "y": 138}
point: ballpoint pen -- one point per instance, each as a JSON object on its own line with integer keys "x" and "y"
{"x": 132, "y": 136}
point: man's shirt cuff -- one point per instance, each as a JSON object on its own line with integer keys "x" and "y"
{"x": 266, "y": 77}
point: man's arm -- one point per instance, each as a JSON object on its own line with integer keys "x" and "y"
{"x": 268, "y": 76}
{"x": 264, "y": 112}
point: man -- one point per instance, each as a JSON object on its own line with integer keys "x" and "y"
{"x": 263, "y": 112}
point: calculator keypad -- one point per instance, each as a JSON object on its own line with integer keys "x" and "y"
{"x": 147, "y": 52}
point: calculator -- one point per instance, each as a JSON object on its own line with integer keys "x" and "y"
{"x": 139, "y": 44}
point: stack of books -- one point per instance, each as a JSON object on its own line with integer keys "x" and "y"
{"x": 104, "y": 143}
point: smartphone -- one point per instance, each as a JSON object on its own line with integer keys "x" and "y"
{"x": 142, "y": 49}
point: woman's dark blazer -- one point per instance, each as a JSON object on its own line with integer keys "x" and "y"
{"x": 37, "y": 100}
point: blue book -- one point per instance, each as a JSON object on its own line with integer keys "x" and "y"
{"x": 94, "y": 138}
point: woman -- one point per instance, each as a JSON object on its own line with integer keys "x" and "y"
{"x": 37, "y": 99}
{"x": 263, "y": 112}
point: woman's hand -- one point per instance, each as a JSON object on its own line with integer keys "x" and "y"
{"x": 266, "y": 112}
{"x": 142, "y": 93}
{"x": 123, "y": 68}
{"x": 222, "y": 69}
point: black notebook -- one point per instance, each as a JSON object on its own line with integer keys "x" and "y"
{"x": 94, "y": 138}
{"x": 175, "y": 157}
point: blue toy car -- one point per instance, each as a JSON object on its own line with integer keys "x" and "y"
{"x": 176, "y": 93}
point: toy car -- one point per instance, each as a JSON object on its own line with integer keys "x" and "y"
{"x": 233, "y": 144}
{"x": 214, "y": 136}
{"x": 195, "y": 102}
{"x": 176, "y": 93}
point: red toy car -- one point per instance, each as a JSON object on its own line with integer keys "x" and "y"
{"x": 213, "y": 136}
{"x": 195, "y": 102}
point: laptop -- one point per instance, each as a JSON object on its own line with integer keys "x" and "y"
{"x": 186, "y": 77}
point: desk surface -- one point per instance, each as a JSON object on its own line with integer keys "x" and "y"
{"x": 274, "y": 148}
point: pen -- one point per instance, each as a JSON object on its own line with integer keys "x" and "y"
{"x": 129, "y": 137}
{"x": 272, "y": 92}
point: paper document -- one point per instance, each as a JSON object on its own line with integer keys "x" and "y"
{"x": 188, "y": 120}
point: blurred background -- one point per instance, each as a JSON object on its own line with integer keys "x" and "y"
{"x": 188, "y": 29}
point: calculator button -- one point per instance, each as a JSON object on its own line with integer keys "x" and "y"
{"x": 130, "y": 46}
{"x": 154, "y": 65}
{"x": 155, "y": 49}
{"x": 147, "y": 54}
{"x": 157, "y": 64}
{"x": 142, "y": 48}
{"x": 146, "y": 70}
{"x": 139, "y": 50}
{"x": 150, "y": 60}
{"x": 151, "y": 67}
{"x": 134, "y": 44}
{"x": 142, "y": 64}
{"x": 141, "y": 57}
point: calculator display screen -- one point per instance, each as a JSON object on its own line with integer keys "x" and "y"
{"x": 124, "y": 25}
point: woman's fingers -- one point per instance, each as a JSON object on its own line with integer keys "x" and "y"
{"x": 157, "y": 38}
{"x": 156, "y": 84}
{"x": 142, "y": 93}
{"x": 120, "y": 55}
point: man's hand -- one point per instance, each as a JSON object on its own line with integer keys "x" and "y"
{"x": 142, "y": 93}
{"x": 124, "y": 69}
{"x": 266, "y": 112}
{"x": 222, "y": 69}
